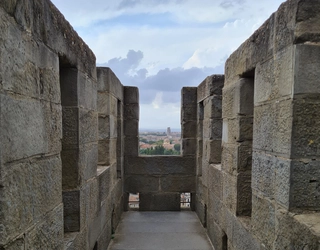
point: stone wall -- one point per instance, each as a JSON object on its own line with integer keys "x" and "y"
{"x": 265, "y": 193}
{"x": 69, "y": 138}
{"x": 61, "y": 154}
{"x": 160, "y": 180}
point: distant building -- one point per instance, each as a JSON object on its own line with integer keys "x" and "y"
{"x": 168, "y": 131}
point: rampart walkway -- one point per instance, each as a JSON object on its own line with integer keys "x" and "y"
{"x": 160, "y": 230}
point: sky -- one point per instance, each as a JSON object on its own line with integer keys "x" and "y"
{"x": 161, "y": 46}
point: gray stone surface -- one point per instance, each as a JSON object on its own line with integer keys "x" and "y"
{"x": 71, "y": 211}
{"x": 20, "y": 185}
{"x": 274, "y": 78}
{"x": 305, "y": 128}
{"x": 16, "y": 116}
{"x": 69, "y": 128}
{"x": 159, "y": 201}
{"x": 160, "y": 230}
{"x": 109, "y": 82}
{"x": 131, "y": 95}
{"x": 159, "y": 165}
{"x": 273, "y": 127}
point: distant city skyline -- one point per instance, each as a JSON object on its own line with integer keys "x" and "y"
{"x": 161, "y": 46}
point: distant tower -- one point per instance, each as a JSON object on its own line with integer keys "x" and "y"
{"x": 168, "y": 131}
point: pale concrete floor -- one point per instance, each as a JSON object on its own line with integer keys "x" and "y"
{"x": 160, "y": 230}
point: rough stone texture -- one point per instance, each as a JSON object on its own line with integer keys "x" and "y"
{"x": 305, "y": 128}
{"x": 50, "y": 102}
{"x": 159, "y": 201}
{"x": 273, "y": 127}
{"x": 22, "y": 200}
{"x": 69, "y": 138}
{"x": 160, "y": 165}
{"x": 280, "y": 60}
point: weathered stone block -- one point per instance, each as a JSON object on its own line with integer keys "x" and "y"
{"x": 215, "y": 180}
{"x": 131, "y": 127}
{"x": 70, "y": 127}
{"x": 159, "y": 201}
{"x": 189, "y": 147}
{"x": 212, "y": 150}
{"x": 244, "y": 194}
{"x": 307, "y": 28}
{"x": 236, "y": 158}
{"x": 305, "y": 178}
{"x": 213, "y": 107}
{"x": 201, "y": 210}
{"x": 103, "y": 103}
{"x": 140, "y": 183}
{"x": 87, "y": 92}
{"x": 294, "y": 231}
{"x": 76, "y": 240}
{"x": 243, "y": 99}
{"x": 53, "y": 126}
{"x": 212, "y": 129}
{"x": 188, "y": 96}
{"x": 16, "y": 244}
{"x": 88, "y": 126}
{"x": 230, "y": 192}
{"x": 216, "y": 210}
{"x": 271, "y": 177}
{"x": 284, "y": 21}
{"x": 131, "y": 146}
{"x": 229, "y": 158}
{"x": 205, "y": 171}
{"x": 264, "y": 174}
{"x": 131, "y": 95}
{"x": 88, "y": 161}
{"x": 172, "y": 183}
{"x": 16, "y": 141}
{"x": 71, "y": 210}
{"x": 104, "y": 127}
{"x": 108, "y": 82}
{"x": 273, "y": 127}
{"x": 212, "y": 85}
{"x": 25, "y": 72}
{"x": 104, "y": 152}
{"x": 113, "y": 151}
{"x": 70, "y": 168}
{"x": 20, "y": 185}
{"x": 189, "y": 113}
{"x": 274, "y": 78}
{"x": 89, "y": 201}
{"x": 105, "y": 237}
{"x": 69, "y": 86}
{"x": 189, "y": 129}
{"x": 201, "y": 190}
{"x": 306, "y": 128}
{"x": 263, "y": 220}
{"x": 228, "y": 101}
{"x": 242, "y": 237}
{"x": 113, "y": 109}
{"x": 104, "y": 182}
{"x": 282, "y": 182}
{"x": 215, "y": 84}
{"x": 159, "y": 165}
{"x": 217, "y": 236}
{"x": 131, "y": 112}
{"x": 48, "y": 234}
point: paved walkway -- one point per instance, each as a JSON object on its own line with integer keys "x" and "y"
{"x": 160, "y": 230}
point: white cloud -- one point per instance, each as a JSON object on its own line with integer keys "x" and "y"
{"x": 171, "y": 43}
{"x": 156, "y": 103}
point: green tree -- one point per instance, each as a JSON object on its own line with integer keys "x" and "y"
{"x": 177, "y": 147}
